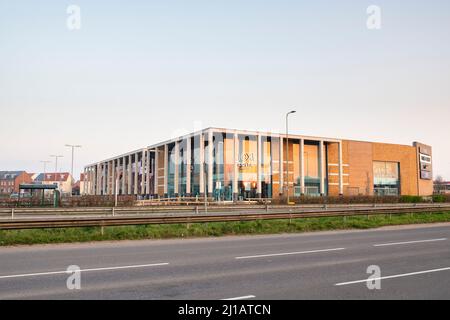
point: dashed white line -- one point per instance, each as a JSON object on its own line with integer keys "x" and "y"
{"x": 82, "y": 270}
{"x": 288, "y": 253}
{"x": 241, "y": 298}
{"x": 393, "y": 276}
{"x": 407, "y": 242}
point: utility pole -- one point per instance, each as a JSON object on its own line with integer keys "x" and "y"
{"x": 287, "y": 153}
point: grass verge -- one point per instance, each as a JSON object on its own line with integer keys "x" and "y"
{"x": 65, "y": 235}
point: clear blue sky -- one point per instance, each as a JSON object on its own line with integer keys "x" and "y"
{"x": 139, "y": 72}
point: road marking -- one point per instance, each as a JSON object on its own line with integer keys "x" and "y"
{"x": 288, "y": 253}
{"x": 393, "y": 276}
{"x": 241, "y": 298}
{"x": 407, "y": 242}
{"x": 82, "y": 270}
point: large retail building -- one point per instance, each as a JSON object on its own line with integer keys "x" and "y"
{"x": 237, "y": 165}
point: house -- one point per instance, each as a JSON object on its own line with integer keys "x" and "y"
{"x": 10, "y": 181}
{"x": 64, "y": 180}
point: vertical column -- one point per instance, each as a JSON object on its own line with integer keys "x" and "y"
{"x": 98, "y": 177}
{"x": 166, "y": 171}
{"x": 258, "y": 161}
{"x": 188, "y": 166}
{"x": 235, "y": 166}
{"x": 210, "y": 163}
{"x": 155, "y": 173}
{"x": 103, "y": 178}
{"x": 113, "y": 177}
{"x": 176, "y": 179}
{"x": 202, "y": 164}
{"x": 281, "y": 167}
{"x": 302, "y": 166}
{"x": 129, "y": 176}
{"x": 136, "y": 173}
{"x": 341, "y": 173}
{"x": 143, "y": 170}
{"x": 322, "y": 167}
{"x": 124, "y": 174}
{"x": 147, "y": 171}
{"x": 108, "y": 177}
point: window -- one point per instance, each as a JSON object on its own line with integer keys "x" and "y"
{"x": 386, "y": 178}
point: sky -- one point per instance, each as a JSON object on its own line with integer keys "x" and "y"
{"x": 140, "y": 72}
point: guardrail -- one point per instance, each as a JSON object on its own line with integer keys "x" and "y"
{"x": 143, "y": 217}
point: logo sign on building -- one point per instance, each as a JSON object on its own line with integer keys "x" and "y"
{"x": 425, "y": 163}
{"x": 246, "y": 160}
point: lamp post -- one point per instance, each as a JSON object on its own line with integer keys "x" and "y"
{"x": 287, "y": 153}
{"x": 45, "y": 168}
{"x": 73, "y": 149}
{"x": 56, "y": 165}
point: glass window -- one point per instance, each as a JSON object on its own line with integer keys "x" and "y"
{"x": 247, "y": 166}
{"x": 386, "y": 178}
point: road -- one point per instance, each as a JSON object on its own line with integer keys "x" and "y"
{"x": 414, "y": 262}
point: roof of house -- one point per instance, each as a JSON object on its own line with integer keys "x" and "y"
{"x": 63, "y": 176}
{"x": 10, "y": 175}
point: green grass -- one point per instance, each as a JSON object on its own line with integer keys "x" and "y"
{"x": 40, "y": 236}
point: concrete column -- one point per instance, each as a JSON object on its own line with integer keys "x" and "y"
{"x": 188, "y": 166}
{"x": 104, "y": 178}
{"x": 129, "y": 176}
{"x": 322, "y": 167}
{"x": 302, "y": 166}
{"x": 99, "y": 180}
{"x": 202, "y": 164}
{"x": 143, "y": 171}
{"x": 341, "y": 173}
{"x": 166, "y": 170}
{"x": 259, "y": 162}
{"x": 281, "y": 175}
{"x": 113, "y": 177}
{"x": 136, "y": 174}
{"x": 155, "y": 173}
{"x": 147, "y": 171}
{"x": 124, "y": 174}
{"x": 176, "y": 179}
{"x": 210, "y": 163}
{"x": 235, "y": 169}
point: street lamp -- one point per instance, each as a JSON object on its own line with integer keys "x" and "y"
{"x": 287, "y": 153}
{"x": 73, "y": 148}
{"x": 45, "y": 167}
{"x": 56, "y": 165}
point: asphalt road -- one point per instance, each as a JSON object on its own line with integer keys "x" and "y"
{"x": 414, "y": 262}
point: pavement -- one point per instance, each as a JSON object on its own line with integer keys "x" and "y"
{"x": 407, "y": 262}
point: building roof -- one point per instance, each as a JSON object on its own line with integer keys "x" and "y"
{"x": 63, "y": 176}
{"x": 10, "y": 175}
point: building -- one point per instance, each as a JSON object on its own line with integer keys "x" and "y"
{"x": 10, "y": 181}
{"x": 237, "y": 164}
{"x": 63, "y": 180}
{"x": 442, "y": 187}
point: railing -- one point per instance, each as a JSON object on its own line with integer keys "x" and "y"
{"x": 82, "y": 217}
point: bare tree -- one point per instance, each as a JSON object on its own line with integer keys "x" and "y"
{"x": 439, "y": 184}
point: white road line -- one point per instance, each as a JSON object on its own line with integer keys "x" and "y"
{"x": 407, "y": 242}
{"x": 241, "y": 298}
{"x": 82, "y": 270}
{"x": 288, "y": 253}
{"x": 393, "y": 276}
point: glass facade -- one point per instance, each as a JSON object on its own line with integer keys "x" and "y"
{"x": 386, "y": 178}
